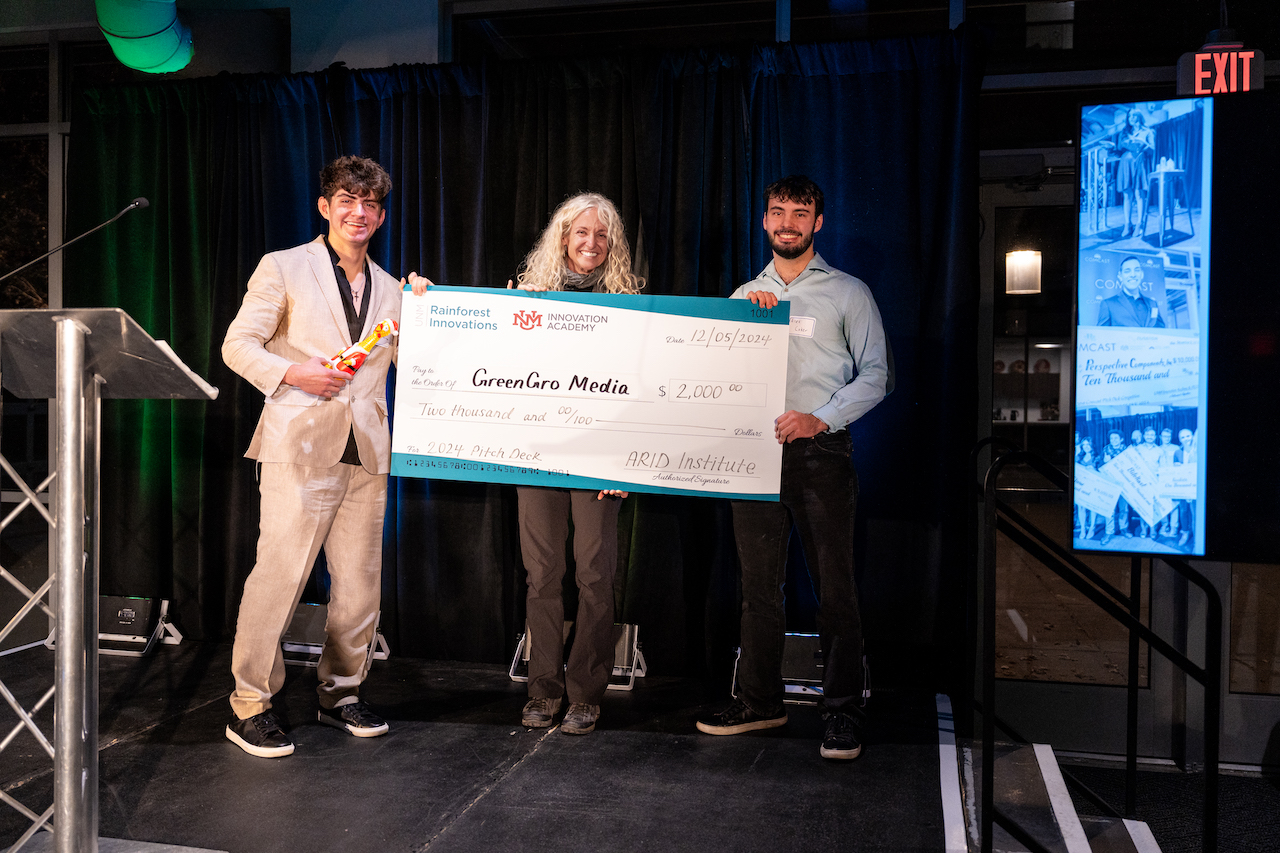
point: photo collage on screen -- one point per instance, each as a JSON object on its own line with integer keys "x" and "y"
{"x": 1141, "y": 326}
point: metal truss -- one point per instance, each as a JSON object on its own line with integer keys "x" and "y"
{"x": 35, "y": 603}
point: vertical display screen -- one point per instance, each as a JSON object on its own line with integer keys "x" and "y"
{"x": 1142, "y": 326}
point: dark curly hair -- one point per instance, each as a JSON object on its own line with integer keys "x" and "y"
{"x": 795, "y": 188}
{"x": 356, "y": 175}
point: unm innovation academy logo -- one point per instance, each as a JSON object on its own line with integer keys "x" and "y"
{"x": 527, "y": 319}
{"x": 560, "y": 322}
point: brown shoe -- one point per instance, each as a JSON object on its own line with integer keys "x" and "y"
{"x": 538, "y": 713}
{"x": 580, "y": 719}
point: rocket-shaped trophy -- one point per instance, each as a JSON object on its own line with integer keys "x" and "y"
{"x": 350, "y": 359}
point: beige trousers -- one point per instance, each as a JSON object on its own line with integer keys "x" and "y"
{"x": 340, "y": 508}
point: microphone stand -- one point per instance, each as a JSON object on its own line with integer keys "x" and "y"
{"x": 136, "y": 203}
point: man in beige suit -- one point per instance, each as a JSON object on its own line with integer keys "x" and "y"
{"x": 324, "y": 449}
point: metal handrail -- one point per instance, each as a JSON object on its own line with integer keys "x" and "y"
{"x": 999, "y": 517}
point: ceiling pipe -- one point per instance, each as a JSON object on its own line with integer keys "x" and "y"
{"x": 146, "y": 34}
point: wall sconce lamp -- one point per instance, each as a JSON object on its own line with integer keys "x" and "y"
{"x": 1022, "y": 272}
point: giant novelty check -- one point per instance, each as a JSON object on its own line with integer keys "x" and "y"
{"x": 667, "y": 394}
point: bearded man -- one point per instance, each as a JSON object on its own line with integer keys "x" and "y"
{"x": 838, "y": 368}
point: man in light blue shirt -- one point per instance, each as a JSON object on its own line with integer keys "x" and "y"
{"x": 838, "y": 368}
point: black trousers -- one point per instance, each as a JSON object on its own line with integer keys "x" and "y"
{"x": 819, "y": 497}
{"x": 544, "y": 532}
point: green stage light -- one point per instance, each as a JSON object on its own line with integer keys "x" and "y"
{"x": 146, "y": 34}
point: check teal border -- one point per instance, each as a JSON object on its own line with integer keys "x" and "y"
{"x": 466, "y": 470}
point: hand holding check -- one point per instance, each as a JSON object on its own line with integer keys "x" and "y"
{"x": 420, "y": 283}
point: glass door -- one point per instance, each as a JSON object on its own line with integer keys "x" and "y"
{"x": 1251, "y": 711}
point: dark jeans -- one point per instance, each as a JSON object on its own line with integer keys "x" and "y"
{"x": 544, "y": 530}
{"x": 819, "y": 496}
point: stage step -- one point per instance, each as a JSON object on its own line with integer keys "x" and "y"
{"x": 1030, "y": 792}
{"x": 1117, "y": 835}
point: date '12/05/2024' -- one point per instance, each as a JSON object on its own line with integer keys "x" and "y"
{"x": 728, "y": 338}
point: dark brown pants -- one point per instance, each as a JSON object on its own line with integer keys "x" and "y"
{"x": 544, "y": 530}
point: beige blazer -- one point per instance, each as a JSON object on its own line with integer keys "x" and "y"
{"x": 291, "y": 312}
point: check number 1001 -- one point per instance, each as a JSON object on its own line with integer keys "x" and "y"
{"x": 705, "y": 391}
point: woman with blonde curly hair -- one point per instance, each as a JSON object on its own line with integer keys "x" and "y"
{"x": 583, "y": 249}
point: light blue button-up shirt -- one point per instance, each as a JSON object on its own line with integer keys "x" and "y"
{"x": 838, "y": 363}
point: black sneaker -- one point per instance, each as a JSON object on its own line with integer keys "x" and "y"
{"x": 841, "y": 739}
{"x": 355, "y": 718}
{"x": 260, "y": 735}
{"x": 580, "y": 719}
{"x": 539, "y": 712}
{"x": 738, "y": 718}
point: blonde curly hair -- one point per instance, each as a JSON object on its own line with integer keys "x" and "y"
{"x": 545, "y": 264}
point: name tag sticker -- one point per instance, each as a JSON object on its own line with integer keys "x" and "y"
{"x": 802, "y": 327}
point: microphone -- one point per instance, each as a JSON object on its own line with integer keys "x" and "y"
{"x": 138, "y": 202}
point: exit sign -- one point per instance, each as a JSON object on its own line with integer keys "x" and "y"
{"x": 1220, "y": 69}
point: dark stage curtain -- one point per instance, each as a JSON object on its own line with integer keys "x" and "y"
{"x": 684, "y": 143}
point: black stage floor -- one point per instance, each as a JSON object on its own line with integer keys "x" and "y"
{"x": 458, "y": 773}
